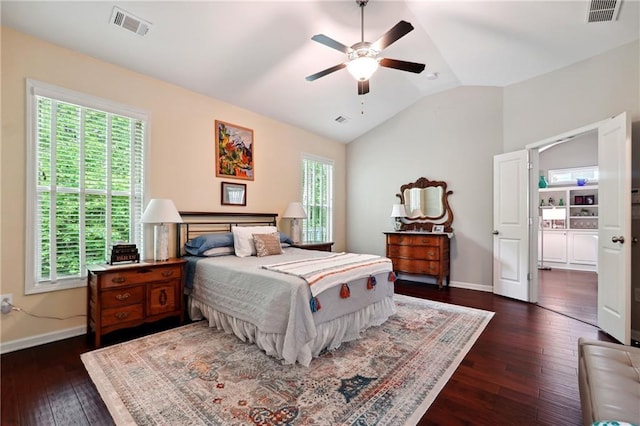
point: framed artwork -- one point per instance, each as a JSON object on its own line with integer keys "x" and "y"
{"x": 589, "y": 199}
{"x": 234, "y": 151}
{"x": 579, "y": 200}
{"x": 438, "y": 228}
{"x": 233, "y": 194}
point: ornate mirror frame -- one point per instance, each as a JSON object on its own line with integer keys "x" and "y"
{"x": 424, "y": 223}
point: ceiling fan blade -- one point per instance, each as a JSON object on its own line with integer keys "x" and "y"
{"x": 402, "y": 65}
{"x": 325, "y": 72}
{"x": 328, "y": 41}
{"x": 363, "y": 87}
{"x": 401, "y": 29}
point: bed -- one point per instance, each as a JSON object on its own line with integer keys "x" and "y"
{"x": 294, "y": 304}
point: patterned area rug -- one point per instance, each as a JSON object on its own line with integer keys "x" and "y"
{"x": 195, "y": 375}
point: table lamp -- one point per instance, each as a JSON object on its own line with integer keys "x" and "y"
{"x": 295, "y": 212}
{"x": 160, "y": 212}
{"x": 397, "y": 213}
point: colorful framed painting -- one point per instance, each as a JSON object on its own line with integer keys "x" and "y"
{"x": 234, "y": 151}
{"x": 233, "y": 194}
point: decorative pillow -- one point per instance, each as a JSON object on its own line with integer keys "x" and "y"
{"x": 243, "y": 238}
{"x": 199, "y": 245}
{"x": 284, "y": 239}
{"x": 267, "y": 244}
{"x": 219, "y": 251}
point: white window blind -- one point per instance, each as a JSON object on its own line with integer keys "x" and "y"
{"x": 85, "y": 183}
{"x": 317, "y": 198}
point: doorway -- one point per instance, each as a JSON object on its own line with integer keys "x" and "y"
{"x": 567, "y": 277}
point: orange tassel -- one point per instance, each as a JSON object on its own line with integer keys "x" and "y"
{"x": 371, "y": 282}
{"x": 344, "y": 291}
{"x": 392, "y": 277}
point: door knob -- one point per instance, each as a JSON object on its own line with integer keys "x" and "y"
{"x": 634, "y": 240}
{"x": 495, "y": 232}
{"x": 619, "y": 239}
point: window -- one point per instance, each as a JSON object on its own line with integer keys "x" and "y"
{"x": 85, "y": 164}
{"x": 570, "y": 176}
{"x": 317, "y": 198}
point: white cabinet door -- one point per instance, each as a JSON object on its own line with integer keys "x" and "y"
{"x": 555, "y": 246}
{"x": 583, "y": 247}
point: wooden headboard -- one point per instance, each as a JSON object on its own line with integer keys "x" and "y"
{"x": 198, "y": 223}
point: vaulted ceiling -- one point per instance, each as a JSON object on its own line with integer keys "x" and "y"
{"x": 257, "y": 54}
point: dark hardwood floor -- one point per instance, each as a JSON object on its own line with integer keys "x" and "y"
{"x": 522, "y": 370}
{"x": 571, "y": 293}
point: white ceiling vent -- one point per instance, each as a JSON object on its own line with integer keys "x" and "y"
{"x": 603, "y": 10}
{"x": 124, "y": 19}
{"x": 341, "y": 119}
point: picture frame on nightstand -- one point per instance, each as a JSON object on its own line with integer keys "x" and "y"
{"x": 438, "y": 228}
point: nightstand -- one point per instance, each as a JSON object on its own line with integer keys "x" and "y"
{"x": 311, "y": 245}
{"x": 128, "y": 295}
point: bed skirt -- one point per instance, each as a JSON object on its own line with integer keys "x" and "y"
{"x": 329, "y": 335}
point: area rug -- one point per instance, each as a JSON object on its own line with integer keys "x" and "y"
{"x": 195, "y": 375}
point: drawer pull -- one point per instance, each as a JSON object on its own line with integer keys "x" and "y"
{"x": 167, "y": 273}
{"x": 118, "y": 280}
{"x": 122, "y": 315}
{"x": 124, "y": 296}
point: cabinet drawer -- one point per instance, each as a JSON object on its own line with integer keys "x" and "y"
{"x": 414, "y": 252}
{"x": 122, "y": 296}
{"x": 122, "y": 314}
{"x": 412, "y": 266}
{"x": 415, "y": 240}
{"x": 162, "y": 298}
{"x": 140, "y": 275}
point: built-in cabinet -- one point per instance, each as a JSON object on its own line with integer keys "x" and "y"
{"x": 568, "y": 238}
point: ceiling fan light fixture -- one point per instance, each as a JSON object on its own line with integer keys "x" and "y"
{"x": 362, "y": 68}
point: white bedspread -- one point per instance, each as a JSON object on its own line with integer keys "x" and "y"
{"x": 272, "y": 310}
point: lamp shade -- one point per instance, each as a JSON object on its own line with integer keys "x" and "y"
{"x": 553, "y": 213}
{"x": 362, "y": 68}
{"x": 295, "y": 211}
{"x": 161, "y": 210}
{"x": 398, "y": 210}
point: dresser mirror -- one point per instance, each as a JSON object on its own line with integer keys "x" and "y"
{"x": 427, "y": 204}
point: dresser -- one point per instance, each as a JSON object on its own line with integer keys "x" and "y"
{"x": 122, "y": 296}
{"x": 420, "y": 253}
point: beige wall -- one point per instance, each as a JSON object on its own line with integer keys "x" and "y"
{"x": 181, "y": 160}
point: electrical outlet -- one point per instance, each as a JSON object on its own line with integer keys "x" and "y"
{"x": 6, "y": 300}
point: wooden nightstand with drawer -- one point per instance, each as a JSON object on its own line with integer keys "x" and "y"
{"x": 122, "y": 296}
{"x": 420, "y": 254}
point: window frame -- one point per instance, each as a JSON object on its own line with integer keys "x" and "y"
{"x": 34, "y": 89}
{"x": 331, "y": 189}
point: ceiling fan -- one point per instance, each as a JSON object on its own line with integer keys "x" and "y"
{"x": 363, "y": 56}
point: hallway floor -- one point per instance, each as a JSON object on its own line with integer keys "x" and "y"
{"x": 571, "y": 293}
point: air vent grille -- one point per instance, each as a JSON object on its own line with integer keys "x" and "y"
{"x": 126, "y": 20}
{"x": 341, "y": 119}
{"x": 603, "y": 10}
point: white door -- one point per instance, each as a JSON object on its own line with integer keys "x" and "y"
{"x": 510, "y": 222}
{"x": 614, "y": 228}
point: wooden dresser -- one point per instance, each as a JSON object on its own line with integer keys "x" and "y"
{"x": 122, "y": 296}
{"x": 420, "y": 253}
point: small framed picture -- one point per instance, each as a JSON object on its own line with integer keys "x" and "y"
{"x": 438, "y": 228}
{"x": 589, "y": 199}
{"x": 579, "y": 200}
{"x": 233, "y": 194}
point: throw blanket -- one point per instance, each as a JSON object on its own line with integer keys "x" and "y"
{"x": 340, "y": 268}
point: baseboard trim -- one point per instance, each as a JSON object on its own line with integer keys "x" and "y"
{"x": 457, "y": 284}
{"x": 41, "y": 339}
